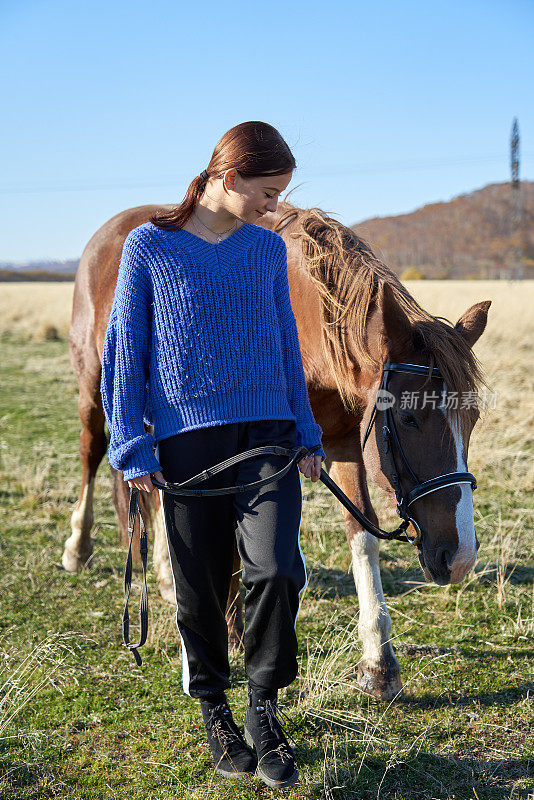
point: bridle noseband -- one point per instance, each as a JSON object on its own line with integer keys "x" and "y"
{"x": 391, "y": 437}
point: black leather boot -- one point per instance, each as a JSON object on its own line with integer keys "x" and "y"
{"x": 232, "y": 757}
{"x": 276, "y": 761}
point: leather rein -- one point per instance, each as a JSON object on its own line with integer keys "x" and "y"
{"x": 390, "y": 436}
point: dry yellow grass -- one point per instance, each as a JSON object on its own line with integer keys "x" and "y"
{"x": 32, "y": 311}
{"x": 506, "y": 352}
{"x": 29, "y": 310}
{"x": 509, "y": 338}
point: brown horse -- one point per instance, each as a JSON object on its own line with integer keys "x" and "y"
{"x": 352, "y": 314}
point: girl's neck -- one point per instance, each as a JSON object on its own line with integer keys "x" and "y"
{"x": 216, "y": 219}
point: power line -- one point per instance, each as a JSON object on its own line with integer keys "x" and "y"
{"x": 331, "y": 171}
{"x": 417, "y": 164}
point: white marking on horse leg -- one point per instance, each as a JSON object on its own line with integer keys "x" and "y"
{"x": 374, "y": 626}
{"x": 466, "y": 555}
{"x": 78, "y": 547}
{"x": 162, "y": 563}
{"x": 185, "y": 661}
{"x": 160, "y": 553}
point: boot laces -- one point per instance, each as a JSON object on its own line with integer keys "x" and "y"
{"x": 272, "y": 729}
{"x": 220, "y": 720}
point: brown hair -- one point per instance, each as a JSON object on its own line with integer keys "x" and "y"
{"x": 253, "y": 148}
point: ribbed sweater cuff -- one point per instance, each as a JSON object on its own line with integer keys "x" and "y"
{"x": 309, "y": 436}
{"x": 135, "y": 458}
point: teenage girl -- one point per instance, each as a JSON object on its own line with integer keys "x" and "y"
{"x": 202, "y": 344}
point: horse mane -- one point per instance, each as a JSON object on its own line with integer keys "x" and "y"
{"x": 350, "y": 280}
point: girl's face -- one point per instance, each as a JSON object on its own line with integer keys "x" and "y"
{"x": 250, "y": 198}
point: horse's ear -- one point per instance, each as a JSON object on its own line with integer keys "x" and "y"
{"x": 398, "y": 331}
{"x": 472, "y": 323}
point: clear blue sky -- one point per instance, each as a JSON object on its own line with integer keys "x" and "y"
{"x": 387, "y": 106}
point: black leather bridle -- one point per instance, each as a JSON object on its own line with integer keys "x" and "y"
{"x": 391, "y": 437}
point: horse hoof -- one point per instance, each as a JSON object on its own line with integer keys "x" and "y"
{"x": 74, "y": 561}
{"x": 382, "y": 683}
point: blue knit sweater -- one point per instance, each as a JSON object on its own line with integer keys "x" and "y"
{"x": 200, "y": 334}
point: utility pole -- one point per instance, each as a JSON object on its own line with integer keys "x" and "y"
{"x": 517, "y": 248}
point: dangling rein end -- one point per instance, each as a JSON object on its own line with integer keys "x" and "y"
{"x": 135, "y": 652}
{"x": 143, "y": 609}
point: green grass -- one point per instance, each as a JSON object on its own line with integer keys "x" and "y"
{"x": 78, "y": 719}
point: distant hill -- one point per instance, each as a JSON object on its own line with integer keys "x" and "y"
{"x": 49, "y": 270}
{"x": 469, "y": 236}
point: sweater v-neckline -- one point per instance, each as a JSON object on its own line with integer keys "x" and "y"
{"x": 218, "y": 258}
{"x": 217, "y": 247}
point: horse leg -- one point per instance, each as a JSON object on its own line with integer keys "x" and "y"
{"x": 156, "y": 529}
{"x": 93, "y": 444}
{"x": 378, "y": 668}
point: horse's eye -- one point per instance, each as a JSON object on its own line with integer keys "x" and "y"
{"x": 408, "y": 420}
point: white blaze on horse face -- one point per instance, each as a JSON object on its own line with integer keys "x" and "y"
{"x": 466, "y": 555}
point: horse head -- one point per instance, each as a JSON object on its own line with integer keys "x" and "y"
{"x": 426, "y": 431}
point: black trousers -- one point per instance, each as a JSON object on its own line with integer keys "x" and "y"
{"x": 200, "y": 531}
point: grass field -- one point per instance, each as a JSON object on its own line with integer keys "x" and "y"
{"x": 79, "y": 720}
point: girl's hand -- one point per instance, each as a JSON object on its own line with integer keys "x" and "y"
{"x": 144, "y": 483}
{"x": 310, "y": 466}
